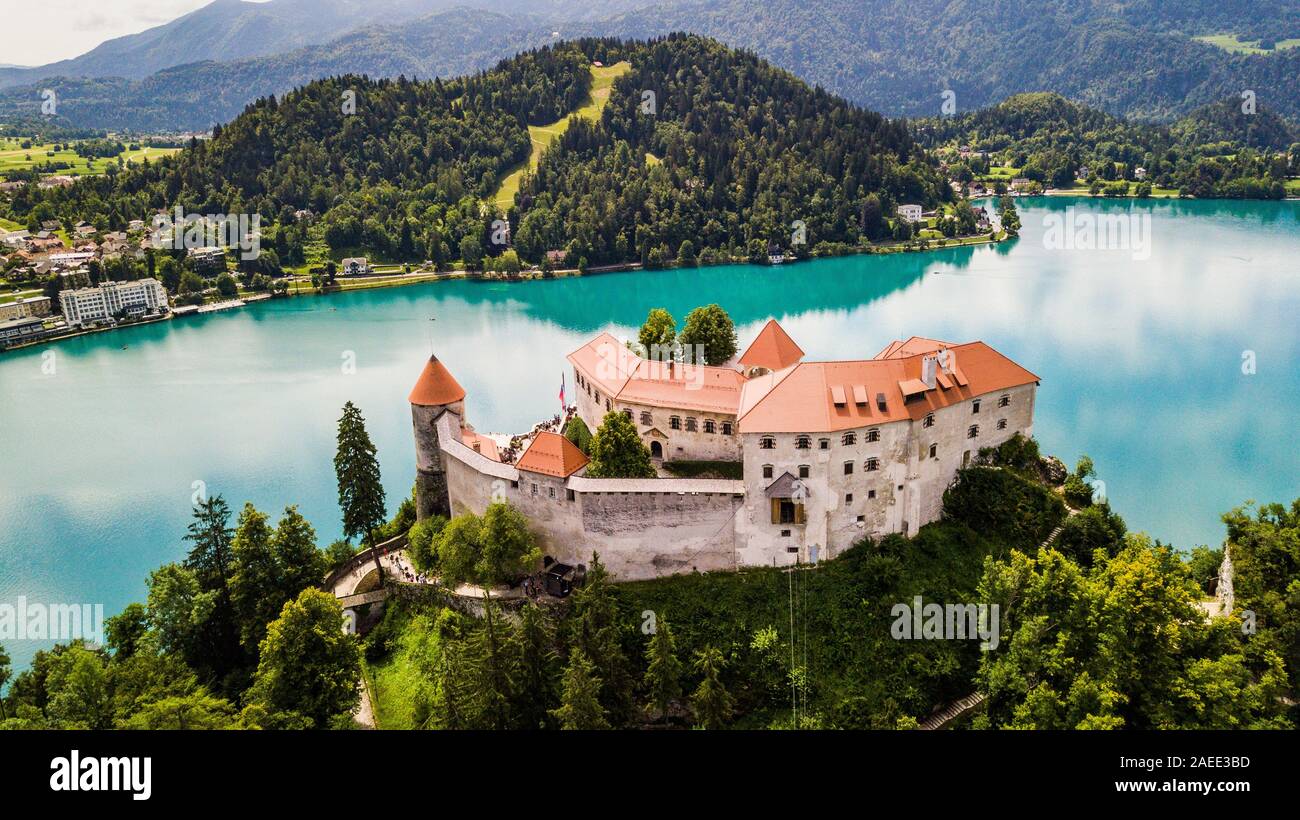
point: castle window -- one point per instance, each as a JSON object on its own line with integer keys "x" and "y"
{"x": 710, "y": 426}
{"x": 803, "y": 470}
{"x": 534, "y": 489}
{"x": 934, "y": 451}
{"x": 552, "y": 489}
{"x": 514, "y": 485}
{"x": 1002, "y": 424}
{"x": 571, "y": 496}
{"x": 1004, "y": 400}
{"x": 848, "y": 468}
{"x": 873, "y": 435}
{"x": 823, "y": 444}
{"x": 726, "y": 428}
{"x": 973, "y": 431}
{"x": 849, "y": 439}
{"x": 608, "y": 405}
{"x": 627, "y": 411}
{"x": 872, "y": 465}
{"x": 691, "y": 424}
{"x": 767, "y": 443}
{"x": 871, "y": 494}
{"x": 675, "y": 422}
{"x": 928, "y": 421}
{"x": 848, "y": 498}
{"x": 767, "y": 471}
{"x": 597, "y": 396}
{"x": 803, "y": 443}
{"x": 975, "y": 407}
{"x": 646, "y": 418}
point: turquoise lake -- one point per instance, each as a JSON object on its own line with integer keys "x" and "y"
{"x": 1141, "y": 363}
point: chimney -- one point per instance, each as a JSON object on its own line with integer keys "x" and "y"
{"x": 929, "y": 364}
{"x": 947, "y": 359}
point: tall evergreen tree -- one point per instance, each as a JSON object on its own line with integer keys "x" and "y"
{"x": 211, "y": 535}
{"x": 597, "y": 632}
{"x": 580, "y": 707}
{"x": 663, "y": 670}
{"x": 711, "y": 702}
{"x": 361, "y": 493}
{"x": 255, "y": 582}
{"x": 301, "y": 563}
{"x": 535, "y": 689}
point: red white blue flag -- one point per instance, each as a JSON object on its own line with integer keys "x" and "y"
{"x": 563, "y": 406}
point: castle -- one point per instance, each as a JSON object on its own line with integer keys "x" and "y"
{"x": 830, "y": 451}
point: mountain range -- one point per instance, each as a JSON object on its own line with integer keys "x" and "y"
{"x": 1138, "y": 58}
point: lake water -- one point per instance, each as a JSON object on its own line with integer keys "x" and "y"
{"x": 1141, "y": 365}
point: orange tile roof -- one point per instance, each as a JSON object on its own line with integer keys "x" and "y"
{"x": 911, "y": 347}
{"x": 772, "y": 348}
{"x": 802, "y": 401}
{"x": 480, "y": 444}
{"x": 621, "y": 375}
{"x": 436, "y": 386}
{"x": 552, "y": 454}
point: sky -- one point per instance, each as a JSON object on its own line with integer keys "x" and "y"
{"x": 70, "y": 28}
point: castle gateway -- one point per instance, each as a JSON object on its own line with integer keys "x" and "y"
{"x": 830, "y": 451}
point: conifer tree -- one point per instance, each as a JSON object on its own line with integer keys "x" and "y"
{"x": 663, "y": 669}
{"x": 580, "y": 707}
{"x": 301, "y": 564}
{"x": 361, "y": 493}
{"x": 255, "y": 581}
{"x": 596, "y": 631}
{"x": 535, "y": 689}
{"x": 711, "y": 702}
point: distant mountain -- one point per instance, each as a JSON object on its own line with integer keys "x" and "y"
{"x": 1136, "y": 58}
{"x": 196, "y": 96}
{"x": 233, "y": 30}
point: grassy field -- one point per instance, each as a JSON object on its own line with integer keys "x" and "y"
{"x": 1232, "y": 43}
{"x": 13, "y": 157}
{"x": 602, "y": 81}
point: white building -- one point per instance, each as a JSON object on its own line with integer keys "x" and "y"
{"x": 830, "y": 452}
{"x": 112, "y": 299}
{"x": 910, "y": 213}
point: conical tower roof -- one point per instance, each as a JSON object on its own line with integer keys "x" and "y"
{"x": 436, "y": 386}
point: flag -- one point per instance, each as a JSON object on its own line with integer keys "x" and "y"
{"x": 563, "y": 406}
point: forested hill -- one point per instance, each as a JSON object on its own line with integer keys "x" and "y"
{"x": 1150, "y": 59}
{"x": 739, "y": 150}
{"x": 1216, "y": 151}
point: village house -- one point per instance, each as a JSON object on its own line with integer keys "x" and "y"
{"x": 909, "y": 213}
{"x": 355, "y": 266}
{"x": 1139, "y": 172}
{"x": 830, "y": 452}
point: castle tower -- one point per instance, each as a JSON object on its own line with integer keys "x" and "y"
{"x": 435, "y": 392}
